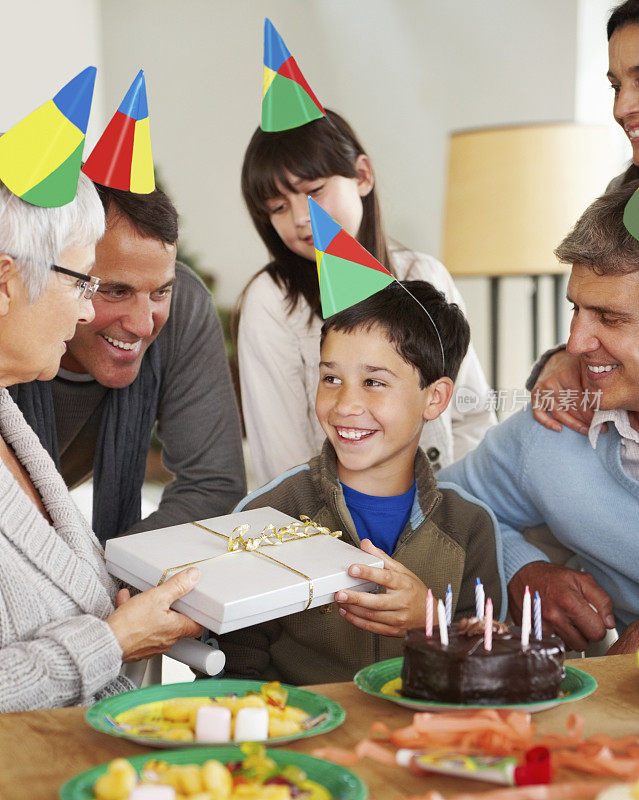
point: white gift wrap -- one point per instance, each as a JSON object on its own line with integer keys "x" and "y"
{"x": 240, "y": 588}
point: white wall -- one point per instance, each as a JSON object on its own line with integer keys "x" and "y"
{"x": 44, "y": 45}
{"x": 404, "y": 72}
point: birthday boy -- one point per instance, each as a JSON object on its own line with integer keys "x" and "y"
{"x": 385, "y": 371}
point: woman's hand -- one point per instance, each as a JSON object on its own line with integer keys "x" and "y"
{"x": 145, "y": 625}
{"x": 558, "y": 396}
{"x": 401, "y": 607}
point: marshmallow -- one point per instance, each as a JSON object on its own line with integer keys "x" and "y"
{"x": 150, "y": 791}
{"x": 213, "y": 724}
{"x": 251, "y": 725}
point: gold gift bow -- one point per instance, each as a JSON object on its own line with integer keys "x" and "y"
{"x": 269, "y": 536}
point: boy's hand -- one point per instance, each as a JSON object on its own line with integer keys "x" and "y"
{"x": 401, "y": 607}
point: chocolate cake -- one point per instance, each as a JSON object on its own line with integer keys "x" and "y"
{"x": 463, "y": 672}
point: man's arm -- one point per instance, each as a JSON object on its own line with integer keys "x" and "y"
{"x": 198, "y": 422}
{"x": 494, "y": 473}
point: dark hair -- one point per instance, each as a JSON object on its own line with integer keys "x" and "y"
{"x": 409, "y": 329}
{"x": 152, "y": 215}
{"x": 599, "y": 239}
{"x": 319, "y": 149}
{"x": 624, "y": 14}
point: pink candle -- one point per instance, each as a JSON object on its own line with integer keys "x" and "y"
{"x": 429, "y": 614}
{"x": 488, "y": 626}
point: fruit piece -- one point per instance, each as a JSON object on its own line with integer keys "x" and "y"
{"x": 216, "y": 778}
{"x": 118, "y": 781}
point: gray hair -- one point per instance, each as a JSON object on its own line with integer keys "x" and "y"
{"x": 35, "y": 237}
{"x": 599, "y": 239}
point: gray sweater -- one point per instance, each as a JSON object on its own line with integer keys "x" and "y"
{"x": 55, "y": 647}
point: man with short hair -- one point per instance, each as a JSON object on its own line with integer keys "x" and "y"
{"x": 154, "y": 354}
{"x": 585, "y": 488}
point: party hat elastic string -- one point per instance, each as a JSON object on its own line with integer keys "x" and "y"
{"x": 441, "y": 344}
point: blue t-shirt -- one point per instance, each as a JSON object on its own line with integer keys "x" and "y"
{"x": 380, "y": 519}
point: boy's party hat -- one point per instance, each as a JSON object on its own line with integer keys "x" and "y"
{"x": 287, "y": 100}
{"x": 631, "y": 215}
{"x": 41, "y": 156}
{"x": 347, "y": 272}
{"x": 122, "y": 157}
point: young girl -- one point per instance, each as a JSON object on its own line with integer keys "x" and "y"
{"x": 279, "y": 310}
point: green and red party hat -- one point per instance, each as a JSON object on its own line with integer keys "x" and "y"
{"x": 287, "y": 100}
{"x": 41, "y": 156}
{"x": 122, "y": 158}
{"x": 347, "y": 272}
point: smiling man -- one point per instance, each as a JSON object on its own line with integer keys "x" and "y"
{"x": 153, "y": 357}
{"x": 585, "y": 488}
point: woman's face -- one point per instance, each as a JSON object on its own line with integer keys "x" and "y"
{"x": 623, "y": 74}
{"x": 339, "y": 196}
{"x": 33, "y": 336}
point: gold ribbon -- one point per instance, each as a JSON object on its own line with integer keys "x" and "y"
{"x": 269, "y": 536}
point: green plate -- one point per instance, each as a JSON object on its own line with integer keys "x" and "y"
{"x": 575, "y": 686}
{"x": 314, "y": 704}
{"x": 340, "y": 782}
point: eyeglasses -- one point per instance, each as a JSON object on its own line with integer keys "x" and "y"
{"x": 86, "y": 285}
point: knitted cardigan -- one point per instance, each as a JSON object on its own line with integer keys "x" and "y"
{"x": 55, "y": 593}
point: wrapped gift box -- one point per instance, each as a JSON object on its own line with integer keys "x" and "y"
{"x": 240, "y": 588}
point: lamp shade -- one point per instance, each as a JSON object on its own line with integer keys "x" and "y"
{"x": 514, "y": 193}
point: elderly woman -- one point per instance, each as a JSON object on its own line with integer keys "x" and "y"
{"x": 62, "y": 639}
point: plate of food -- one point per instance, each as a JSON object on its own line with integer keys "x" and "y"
{"x": 383, "y": 680}
{"x": 215, "y": 712}
{"x": 475, "y": 668}
{"x": 251, "y": 773}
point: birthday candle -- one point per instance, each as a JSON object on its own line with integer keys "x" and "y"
{"x": 488, "y": 626}
{"x": 537, "y": 616}
{"x": 525, "y": 619}
{"x": 443, "y": 628}
{"x": 429, "y": 614}
{"x": 449, "y": 605}
{"x": 479, "y": 599}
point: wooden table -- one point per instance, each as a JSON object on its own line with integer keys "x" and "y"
{"x": 40, "y": 750}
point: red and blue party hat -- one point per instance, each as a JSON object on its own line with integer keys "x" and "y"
{"x": 41, "y": 156}
{"x": 122, "y": 158}
{"x": 347, "y": 272}
{"x": 287, "y": 100}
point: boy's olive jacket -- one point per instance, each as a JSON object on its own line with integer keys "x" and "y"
{"x": 448, "y": 539}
